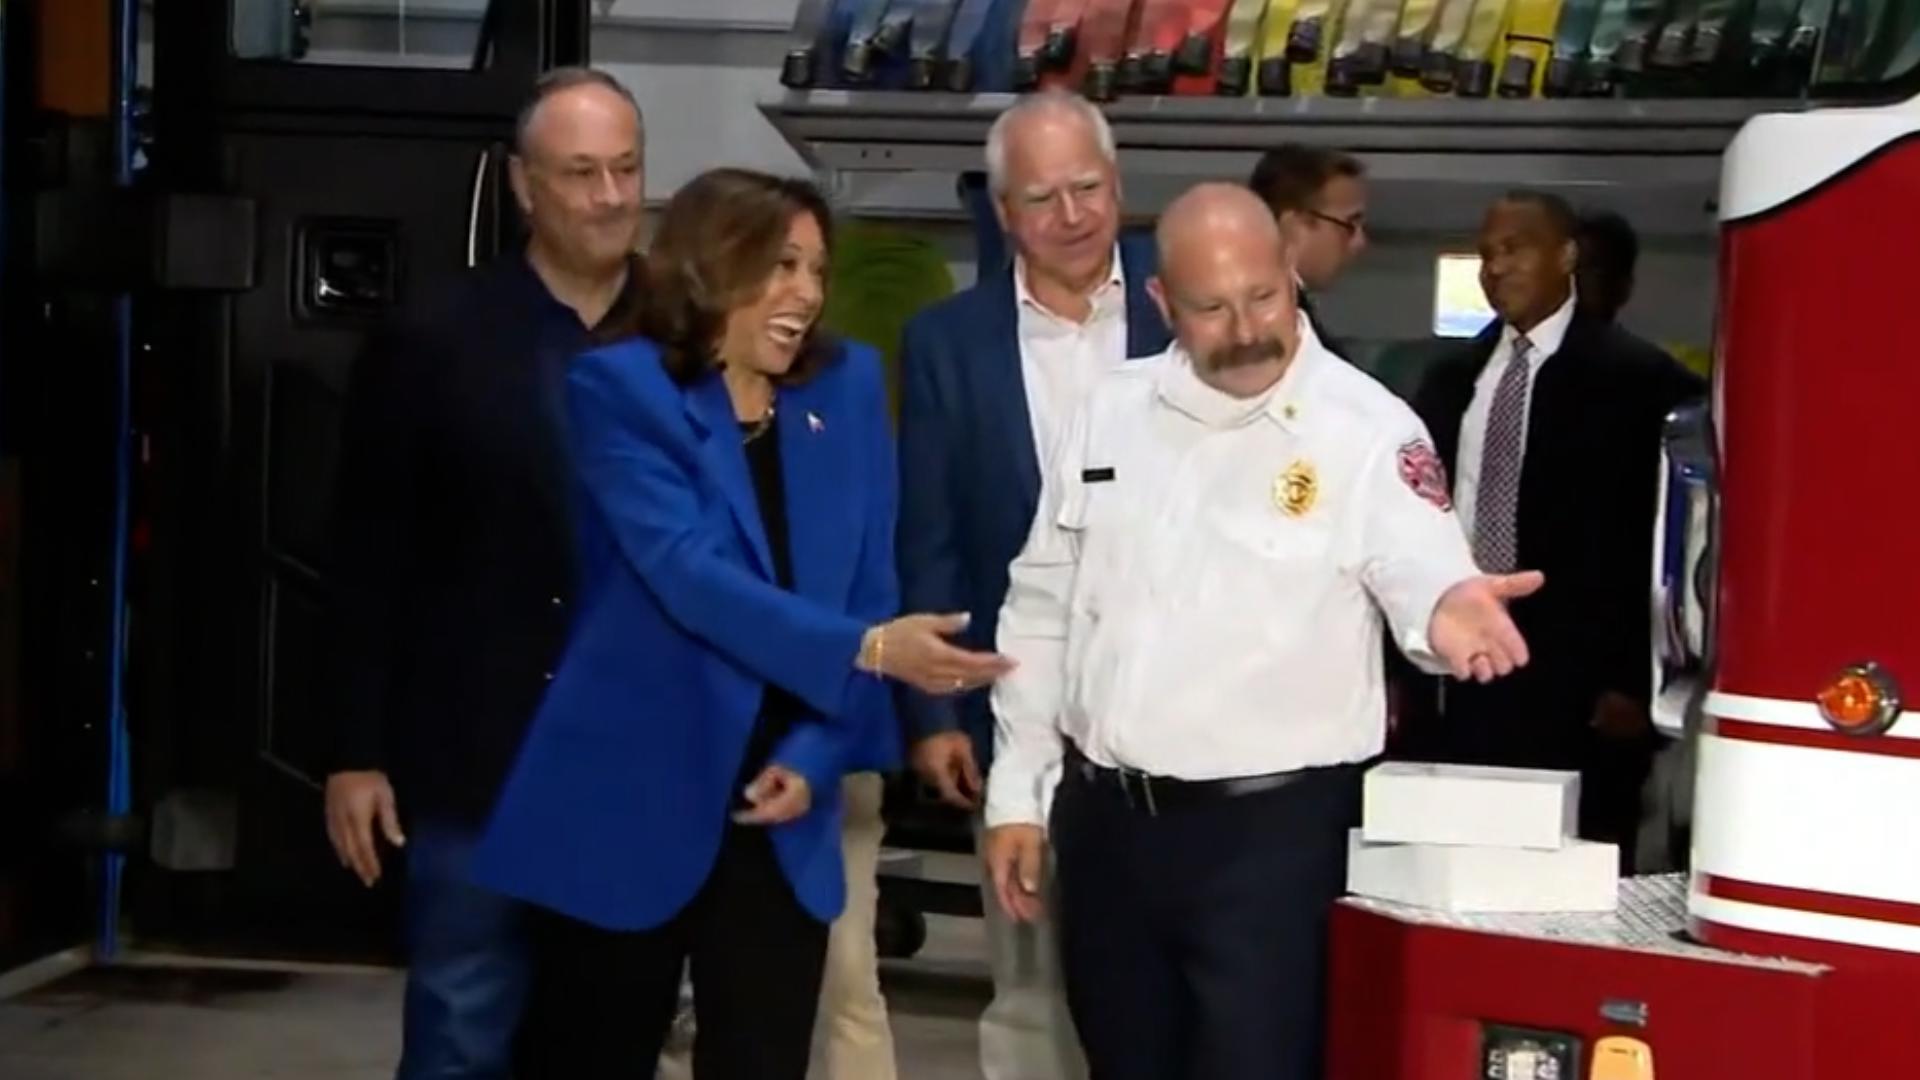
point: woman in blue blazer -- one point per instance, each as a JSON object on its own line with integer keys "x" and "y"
{"x": 677, "y": 795}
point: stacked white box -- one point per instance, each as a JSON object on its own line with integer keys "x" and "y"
{"x": 1473, "y": 839}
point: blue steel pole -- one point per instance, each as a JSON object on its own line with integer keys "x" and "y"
{"x": 126, "y": 38}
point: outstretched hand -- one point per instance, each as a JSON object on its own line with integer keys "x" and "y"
{"x": 914, "y": 649}
{"x": 1471, "y": 630}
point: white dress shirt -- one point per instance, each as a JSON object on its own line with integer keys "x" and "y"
{"x": 1182, "y": 610}
{"x": 1546, "y": 339}
{"x": 1061, "y": 359}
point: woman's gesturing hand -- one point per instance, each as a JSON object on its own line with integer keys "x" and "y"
{"x": 914, "y": 650}
{"x": 778, "y": 795}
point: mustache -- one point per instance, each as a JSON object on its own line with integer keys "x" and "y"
{"x": 1229, "y": 357}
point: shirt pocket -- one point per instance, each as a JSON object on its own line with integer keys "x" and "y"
{"x": 1269, "y": 577}
{"x": 1269, "y": 539}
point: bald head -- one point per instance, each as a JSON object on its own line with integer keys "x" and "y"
{"x": 1226, "y": 287}
{"x": 1207, "y": 218}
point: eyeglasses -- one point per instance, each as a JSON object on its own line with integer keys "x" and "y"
{"x": 1351, "y": 226}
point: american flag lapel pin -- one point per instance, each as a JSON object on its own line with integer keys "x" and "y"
{"x": 814, "y": 423}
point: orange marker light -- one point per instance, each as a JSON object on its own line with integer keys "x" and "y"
{"x": 1861, "y": 700}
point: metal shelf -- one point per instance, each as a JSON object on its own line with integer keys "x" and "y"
{"x": 894, "y": 130}
{"x": 1658, "y": 159}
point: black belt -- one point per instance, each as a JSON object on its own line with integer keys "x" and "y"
{"x": 1154, "y": 795}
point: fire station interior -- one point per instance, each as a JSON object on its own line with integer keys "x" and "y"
{"x": 209, "y": 203}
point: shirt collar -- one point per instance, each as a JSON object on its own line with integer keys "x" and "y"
{"x": 1114, "y": 286}
{"x": 1547, "y": 337}
{"x": 1180, "y": 387}
{"x": 558, "y": 316}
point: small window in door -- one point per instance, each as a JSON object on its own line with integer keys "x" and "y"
{"x": 443, "y": 34}
{"x": 1460, "y": 308}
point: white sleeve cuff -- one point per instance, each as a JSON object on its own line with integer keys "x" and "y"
{"x": 1018, "y": 796}
{"x": 1419, "y": 600}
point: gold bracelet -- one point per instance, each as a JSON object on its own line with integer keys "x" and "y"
{"x": 873, "y": 650}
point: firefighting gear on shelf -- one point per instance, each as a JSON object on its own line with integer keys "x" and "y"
{"x": 1511, "y": 49}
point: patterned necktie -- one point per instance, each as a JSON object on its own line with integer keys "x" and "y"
{"x": 1496, "y": 535}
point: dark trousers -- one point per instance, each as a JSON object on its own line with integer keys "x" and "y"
{"x": 604, "y": 1000}
{"x": 1194, "y": 940}
{"x": 468, "y": 963}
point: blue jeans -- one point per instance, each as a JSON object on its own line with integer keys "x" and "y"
{"x": 468, "y": 963}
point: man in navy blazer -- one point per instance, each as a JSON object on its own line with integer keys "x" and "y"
{"x": 990, "y": 376}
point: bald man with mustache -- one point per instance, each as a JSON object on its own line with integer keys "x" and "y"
{"x": 1196, "y": 620}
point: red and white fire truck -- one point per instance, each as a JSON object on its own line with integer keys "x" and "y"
{"x": 1789, "y": 587}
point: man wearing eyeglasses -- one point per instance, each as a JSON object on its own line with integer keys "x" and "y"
{"x": 1319, "y": 197}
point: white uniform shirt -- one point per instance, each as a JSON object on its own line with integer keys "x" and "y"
{"x": 1061, "y": 360}
{"x": 1201, "y": 593}
{"x": 1546, "y": 339}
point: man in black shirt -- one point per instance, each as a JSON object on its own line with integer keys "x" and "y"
{"x": 454, "y": 565}
{"x": 1609, "y": 252}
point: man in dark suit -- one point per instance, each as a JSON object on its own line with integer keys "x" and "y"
{"x": 1550, "y": 422}
{"x": 1319, "y": 197}
{"x": 454, "y": 564}
{"x": 990, "y": 378}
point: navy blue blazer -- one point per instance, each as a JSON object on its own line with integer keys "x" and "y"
{"x": 614, "y": 811}
{"x": 969, "y": 473}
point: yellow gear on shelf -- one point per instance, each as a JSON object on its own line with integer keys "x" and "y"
{"x": 1526, "y": 47}
{"x": 1273, "y": 74}
{"x": 1310, "y": 45}
{"x": 1240, "y": 55}
{"x": 1419, "y": 22}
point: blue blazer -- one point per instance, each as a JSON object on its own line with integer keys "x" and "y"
{"x": 614, "y": 811}
{"x": 969, "y": 473}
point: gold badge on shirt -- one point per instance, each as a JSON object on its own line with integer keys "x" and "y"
{"x": 1296, "y": 489}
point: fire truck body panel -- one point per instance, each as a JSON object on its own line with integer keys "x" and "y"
{"x": 1803, "y": 830}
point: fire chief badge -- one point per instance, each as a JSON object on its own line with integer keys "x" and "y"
{"x": 1296, "y": 489}
{"x": 1424, "y": 472}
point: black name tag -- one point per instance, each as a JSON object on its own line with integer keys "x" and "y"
{"x": 1096, "y": 476}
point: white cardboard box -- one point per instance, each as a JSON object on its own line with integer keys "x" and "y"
{"x": 1410, "y": 802}
{"x": 1582, "y": 876}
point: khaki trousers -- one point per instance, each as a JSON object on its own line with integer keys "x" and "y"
{"x": 853, "y": 1013}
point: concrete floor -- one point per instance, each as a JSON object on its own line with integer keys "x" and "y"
{"x": 181, "y": 1021}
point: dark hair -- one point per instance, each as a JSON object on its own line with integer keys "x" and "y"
{"x": 717, "y": 242}
{"x": 1559, "y": 212}
{"x": 1291, "y": 176}
{"x": 561, "y": 79}
{"x": 1609, "y": 251}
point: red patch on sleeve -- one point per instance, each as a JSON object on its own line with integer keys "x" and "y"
{"x": 1423, "y": 471}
